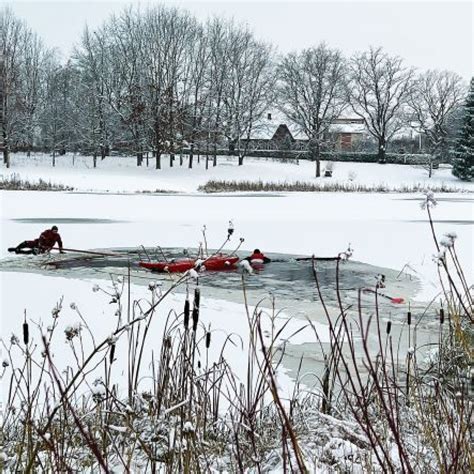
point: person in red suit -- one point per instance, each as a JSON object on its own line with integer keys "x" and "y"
{"x": 44, "y": 243}
{"x": 258, "y": 257}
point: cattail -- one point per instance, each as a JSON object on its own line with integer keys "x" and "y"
{"x": 208, "y": 339}
{"x": 195, "y": 318}
{"x": 186, "y": 313}
{"x": 389, "y": 327}
{"x": 197, "y": 297}
{"x": 409, "y": 318}
{"x": 112, "y": 353}
{"x": 26, "y": 333}
{"x": 441, "y": 316}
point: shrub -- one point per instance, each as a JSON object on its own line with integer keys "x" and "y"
{"x": 15, "y": 183}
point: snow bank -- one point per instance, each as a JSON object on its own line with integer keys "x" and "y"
{"x": 120, "y": 174}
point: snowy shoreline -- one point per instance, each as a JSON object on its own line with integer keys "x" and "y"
{"x": 122, "y": 175}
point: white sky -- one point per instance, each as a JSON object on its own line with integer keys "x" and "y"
{"x": 427, "y": 34}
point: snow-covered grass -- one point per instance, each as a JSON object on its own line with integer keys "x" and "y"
{"x": 14, "y": 183}
{"x": 325, "y": 186}
{"x": 120, "y": 174}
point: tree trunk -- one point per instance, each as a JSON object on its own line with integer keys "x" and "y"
{"x": 381, "y": 150}
{"x": 147, "y": 159}
{"x": 191, "y": 155}
{"x": 54, "y": 158}
{"x": 139, "y": 158}
{"x": 171, "y": 160}
{"x": 6, "y": 150}
{"x": 158, "y": 160}
{"x": 241, "y": 159}
{"x": 6, "y": 157}
{"x": 181, "y": 157}
{"x": 94, "y": 159}
{"x": 316, "y": 155}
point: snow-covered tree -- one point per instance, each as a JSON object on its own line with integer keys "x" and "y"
{"x": 13, "y": 33}
{"x": 249, "y": 87}
{"x": 433, "y": 99}
{"x": 168, "y": 36}
{"x": 58, "y": 120}
{"x": 124, "y": 82}
{"x": 463, "y": 152}
{"x": 195, "y": 95}
{"x": 95, "y": 124}
{"x": 312, "y": 93}
{"x": 379, "y": 88}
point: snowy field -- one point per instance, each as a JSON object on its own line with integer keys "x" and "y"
{"x": 120, "y": 174}
{"x": 386, "y": 230}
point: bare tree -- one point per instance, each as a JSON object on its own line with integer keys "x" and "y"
{"x": 124, "y": 83}
{"x": 379, "y": 89}
{"x": 312, "y": 93}
{"x": 249, "y": 87}
{"x": 57, "y": 119}
{"x": 91, "y": 62}
{"x": 218, "y": 32}
{"x": 2, "y": 104}
{"x": 31, "y": 86}
{"x": 195, "y": 85}
{"x": 12, "y": 33}
{"x": 433, "y": 99}
{"x": 167, "y": 45}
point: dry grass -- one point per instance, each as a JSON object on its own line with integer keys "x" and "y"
{"x": 213, "y": 186}
{"x": 15, "y": 183}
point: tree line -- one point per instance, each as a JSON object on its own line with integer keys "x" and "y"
{"x": 159, "y": 81}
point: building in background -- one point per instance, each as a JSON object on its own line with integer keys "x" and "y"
{"x": 276, "y": 132}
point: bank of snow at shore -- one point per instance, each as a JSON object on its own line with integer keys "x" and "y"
{"x": 120, "y": 174}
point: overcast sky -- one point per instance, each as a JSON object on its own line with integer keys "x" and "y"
{"x": 428, "y": 34}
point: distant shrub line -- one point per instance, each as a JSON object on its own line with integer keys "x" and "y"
{"x": 347, "y": 156}
{"x": 215, "y": 186}
{"x": 15, "y": 183}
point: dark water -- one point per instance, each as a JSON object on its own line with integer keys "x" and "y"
{"x": 285, "y": 278}
{"x": 62, "y": 220}
{"x": 287, "y": 282}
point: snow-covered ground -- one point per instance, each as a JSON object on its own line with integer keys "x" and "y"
{"x": 120, "y": 174}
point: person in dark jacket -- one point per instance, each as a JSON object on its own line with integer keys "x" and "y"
{"x": 44, "y": 243}
{"x": 258, "y": 257}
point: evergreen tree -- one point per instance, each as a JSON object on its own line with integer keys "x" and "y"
{"x": 463, "y": 153}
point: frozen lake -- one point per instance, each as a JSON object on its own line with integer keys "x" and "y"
{"x": 389, "y": 233}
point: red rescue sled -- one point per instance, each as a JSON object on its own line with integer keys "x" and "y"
{"x": 216, "y": 263}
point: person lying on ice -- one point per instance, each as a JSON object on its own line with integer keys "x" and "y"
{"x": 258, "y": 257}
{"x": 43, "y": 244}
